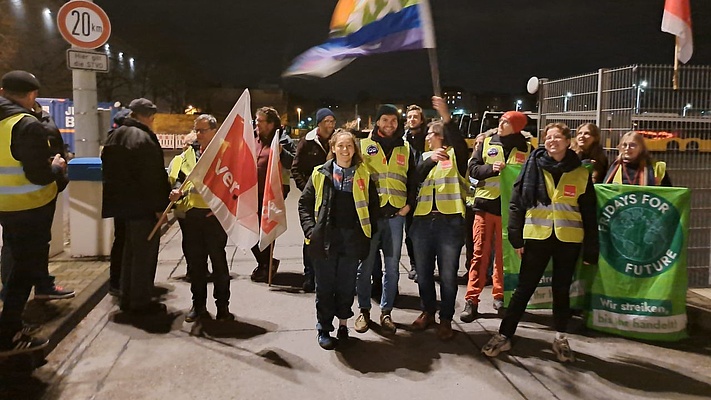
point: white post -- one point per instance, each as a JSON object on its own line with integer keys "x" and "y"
{"x": 86, "y": 115}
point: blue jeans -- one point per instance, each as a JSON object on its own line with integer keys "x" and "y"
{"x": 440, "y": 237}
{"x": 388, "y": 237}
{"x": 335, "y": 279}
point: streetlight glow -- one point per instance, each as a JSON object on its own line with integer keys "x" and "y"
{"x": 686, "y": 108}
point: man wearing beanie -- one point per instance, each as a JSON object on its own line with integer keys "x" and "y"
{"x": 28, "y": 191}
{"x": 506, "y": 146}
{"x": 390, "y": 159}
{"x": 310, "y": 153}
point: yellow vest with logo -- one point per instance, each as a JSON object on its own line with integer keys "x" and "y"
{"x": 563, "y": 214}
{"x": 443, "y": 186}
{"x": 185, "y": 162}
{"x": 17, "y": 193}
{"x": 491, "y": 189}
{"x": 390, "y": 177}
{"x": 361, "y": 184}
{"x": 660, "y": 168}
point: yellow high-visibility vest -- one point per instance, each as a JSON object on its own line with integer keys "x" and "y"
{"x": 361, "y": 184}
{"x": 660, "y": 168}
{"x": 185, "y": 162}
{"x": 17, "y": 193}
{"x": 390, "y": 177}
{"x": 563, "y": 214}
{"x": 444, "y": 186}
{"x": 493, "y": 153}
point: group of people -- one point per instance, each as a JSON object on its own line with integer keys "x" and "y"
{"x": 359, "y": 199}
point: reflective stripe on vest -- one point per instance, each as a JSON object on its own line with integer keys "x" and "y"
{"x": 17, "y": 193}
{"x": 361, "y": 185}
{"x": 563, "y": 214}
{"x": 390, "y": 176}
{"x": 444, "y": 186}
{"x": 493, "y": 153}
{"x": 185, "y": 162}
{"x": 660, "y": 168}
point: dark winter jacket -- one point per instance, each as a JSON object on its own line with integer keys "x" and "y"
{"x": 319, "y": 229}
{"x": 286, "y": 158}
{"x": 417, "y": 138}
{"x": 135, "y": 181}
{"x": 309, "y": 155}
{"x": 28, "y": 145}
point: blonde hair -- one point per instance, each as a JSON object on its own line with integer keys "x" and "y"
{"x": 644, "y": 156}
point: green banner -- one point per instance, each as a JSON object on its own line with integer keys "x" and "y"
{"x": 639, "y": 290}
{"x": 543, "y": 296}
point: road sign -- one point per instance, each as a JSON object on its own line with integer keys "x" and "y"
{"x": 87, "y": 60}
{"x": 83, "y": 24}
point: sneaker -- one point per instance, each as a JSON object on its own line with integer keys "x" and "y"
{"x": 412, "y": 274}
{"x": 496, "y": 345}
{"x": 362, "y": 322}
{"x": 342, "y": 333}
{"x": 498, "y": 304}
{"x": 424, "y": 321}
{"x": 562, "y": 350}
{"x": 30, "y": 329}
{"x": 195, "y": 313}
{"x": 22, "y": 343}
{"x": 259, "y": 274}
{"x": 55, "y": 293}
{"x": 386, "y": 322}
{"x": 224, "y": 314}
{"x": 309, "y": 285}
{"x": 444, "y": 329}
{"x": 470, "y": 312}
{"x": 326, "y": 341}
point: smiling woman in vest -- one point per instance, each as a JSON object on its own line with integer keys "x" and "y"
{"x": 336, "y": 209}
{"x": 634, "y": 165}
{"x": 438, "y": 224}
{"x": 552, "y": 215}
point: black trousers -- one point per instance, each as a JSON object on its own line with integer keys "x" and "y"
{"x": 536, "y": 255}
{"x": 117, "y": 253}
{"x": 138, "y": 267}
{"x": 204, "y": 237}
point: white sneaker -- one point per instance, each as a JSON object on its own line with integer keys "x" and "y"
{"x": 498, "y": 304}
{"x": 496, "y": 345}
{"x": 562, "y": 350}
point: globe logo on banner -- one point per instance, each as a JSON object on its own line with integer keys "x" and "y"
{"x": 640, "y": 234}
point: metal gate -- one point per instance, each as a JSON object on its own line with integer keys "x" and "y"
{"x": 676, "y": 125}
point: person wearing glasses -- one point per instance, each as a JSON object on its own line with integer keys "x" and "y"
{"x": 203, "y": 236}
{"x": 310, "y": 153}
{"x": 552, "y": 215}
{"x": 634, "y": 165}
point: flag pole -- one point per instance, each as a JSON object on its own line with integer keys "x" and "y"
{"x": 165, "y": 212}
{"x": 271, "y": 261}
{"x": 434, "y": 68}
{"x": 675, "y": 78}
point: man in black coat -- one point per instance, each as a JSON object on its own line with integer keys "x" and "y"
{"x": 136, "y": 189}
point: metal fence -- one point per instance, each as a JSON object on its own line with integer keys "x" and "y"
{"x": 675, "y": 122}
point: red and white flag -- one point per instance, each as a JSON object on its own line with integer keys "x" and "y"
{"x": 273, "y": 222}
{"x": 677, "y": 21}
{"x": 226, "y": 175}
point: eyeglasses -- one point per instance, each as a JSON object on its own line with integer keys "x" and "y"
{"x": 204, "y": 130}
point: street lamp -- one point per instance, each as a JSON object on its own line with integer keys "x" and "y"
{"x": 685, "y": 109}
{"x": 640, "y": 90}
{"x": 298, "y": 112}
{"x": 518, "y": 104}
{"x": 565, "y": 101}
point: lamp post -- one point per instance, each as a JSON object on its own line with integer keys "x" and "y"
{"x": 565, "y": 101}
{"x": 685, "y": 109}
{"x": 298, "y": 113}
{"x": 640, "y": 90}
{"x": 518, "y": 104}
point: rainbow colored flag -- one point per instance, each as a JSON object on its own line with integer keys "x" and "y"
{"x": 365, "y": 27}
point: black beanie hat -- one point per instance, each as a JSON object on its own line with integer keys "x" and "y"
{"x": 387, "y": 109}
{"x": 20, "y": 81}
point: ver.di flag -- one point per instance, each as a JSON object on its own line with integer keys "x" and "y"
{"x": 226, "y": 175}
{"x": 273, "y": 222}
{"x": 677, "y": 21}
{"x": 365, "y": 27}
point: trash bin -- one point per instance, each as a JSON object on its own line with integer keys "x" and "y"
{"x": 90, "y": 234}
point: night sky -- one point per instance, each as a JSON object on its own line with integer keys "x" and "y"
{"x": 483, "y": 45}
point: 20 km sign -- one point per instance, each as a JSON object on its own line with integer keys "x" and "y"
{"x": 83, "y": 24}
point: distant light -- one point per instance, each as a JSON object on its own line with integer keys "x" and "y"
{"x": 131, "y": 62}
{"x": 120, "y": 55}
{"x": 47, "y": 11}
{"x": 117, "y": 104}
{"x": 309, "y": 119}
{"x": 48, "y": 20}
{"x": 568, "y": 94}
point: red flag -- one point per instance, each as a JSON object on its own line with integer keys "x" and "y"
{"x": 226, "y": 175}
{"x": 273, "y": 222}
{"x": 677, "y": 21}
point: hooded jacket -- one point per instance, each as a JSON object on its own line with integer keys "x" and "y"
{"x": 309, "y": 154}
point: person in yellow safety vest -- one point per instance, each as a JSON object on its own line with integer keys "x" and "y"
{"x": 634, "y": 165}
{"x": 203, "y": 235}
{"x": 506, "y": 146}
{"x": 552, "y": 216}
{"x": 438, "y": 223}
{"x": 336, "y": 209}
{"x": 268, "y": 124}
{"x": 392, "y": 163}
{"x": 29, "y": 172}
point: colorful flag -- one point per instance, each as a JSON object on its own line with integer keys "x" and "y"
{"x": 226, "y": 175}
{"x": 273, "y": 222}
{"x": 677, "y": 21}
{"x": 364, "y": 27}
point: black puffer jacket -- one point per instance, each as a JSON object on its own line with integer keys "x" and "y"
{"x": 135, "y": 181}
{"x": 318, "y": 228}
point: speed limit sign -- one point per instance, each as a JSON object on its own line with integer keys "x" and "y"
{"x": 83, "y": 24}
